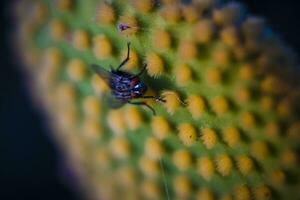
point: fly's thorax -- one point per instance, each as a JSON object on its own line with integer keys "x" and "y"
{"x": 120, "y": 81}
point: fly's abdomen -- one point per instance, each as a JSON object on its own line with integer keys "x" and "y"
{"x": 122, "y": 95}
{"x": 121, "y": 87}
{"x": 119, "y": 83}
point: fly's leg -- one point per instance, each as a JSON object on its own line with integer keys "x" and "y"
{"x": 156, "y": 98}
{"x": 143, "y": 104}
{"x": 141, "y": 72}
{"x": 127, "y": 57}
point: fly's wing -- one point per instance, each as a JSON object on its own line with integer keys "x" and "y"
{"x": 109, "y": 98}
{"x": 103, "y": 73}
{"x": 113, "y": 102}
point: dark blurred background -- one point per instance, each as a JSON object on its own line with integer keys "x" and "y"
{"x": 31, "y": 165}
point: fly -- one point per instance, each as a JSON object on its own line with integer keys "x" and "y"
{"x": 125, "y": 86}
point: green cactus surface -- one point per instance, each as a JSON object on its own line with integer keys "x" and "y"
{"x": 229, "y": 128}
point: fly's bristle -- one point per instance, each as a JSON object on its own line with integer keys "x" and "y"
{"x": 131, "y": 26}
{"x": 91, "y": 107}
{"x": 172, "y": 101}
{"x": 288, "y": 158}
{"x": 182, "y": 159}
{"x": 57, "y": 30}
{"x": 246, "y": 72}
{"x": 262, "y": 192}
{"x": 248, "y": 120}
{"x": 133, "y": 60}
{"x": 80, "y": 40}
{"x": 229, "y": 36}
{"x": 196, "y": 106}
{"x": 105, "y": 14}
{"x": 171, "y": 13}
{"x": 99, "y": 84}
{"x": 187, "y": 134}
{"x": 149, "y": 167}
{"x": 63, "y": 5}
{"x": 155, "y": 65}
{"x": 102, "y": 47}
{"x": 161, "y": 39}
{"x": 242, "y": 193}
{"x": 116, "y": 121}
{"x": 150, "y": 189}
{"x": 133, "y": 118}
{"x": 190, "y": 14}
{"x": 205, "y": 168}
{"x": 91, "y": 129}
{"x": 183, "y": 74}
{"x": 231, "y": 136}
{"x": 259, "y": 150}
{"x": 143, "y": 6}
{"x": 182, "y": 186}
{"x": 245, "y": 164}
{"x": 204, "y": 31}
{"x": 209, "y": 137}
{"x": 153, "y": 148}
{"x": 224, "y": 164}
{"x": 160, "y": 127}
{"x": 213, "y": 76}
{"x": 219, "y": 105}
{"x": 277, "y": 178}
{"x": 120, "y": 148}
{"x": 187, "y": 50}
{"x": 76, "y": 69}
{"x": 204, "y": 194}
